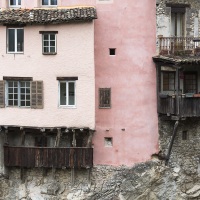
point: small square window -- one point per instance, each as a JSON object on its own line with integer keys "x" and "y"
{"x": 108, "y": 142}
{"x": 15, "y": 37}
{"x": 49, "y": 2}
{"x": 112, "y": 51}
{"x": 14, "y": 3}
{"x": 104, "y": 97}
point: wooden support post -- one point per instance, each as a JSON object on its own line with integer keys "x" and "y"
{"x": 6, "y": 142}
{"x": 158, "y": 85}
{"x": 171, "y": 142}
{"x": 22, "y": 170}
{"x": 57, "y": 143}
{"x": 22, "y": 136}
{"x": 74, "y": 138}
{"x": 177, "y": 91}
{"x": 6, "y": 137}
{"x": 89, "y": 141}
{"x": 72, "y": 169}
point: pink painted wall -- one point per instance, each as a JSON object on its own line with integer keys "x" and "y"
{"x": 130, "y": 27}
{"x": 75, "y": 57}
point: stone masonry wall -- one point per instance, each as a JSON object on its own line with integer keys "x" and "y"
{"x": 153, "y": 180}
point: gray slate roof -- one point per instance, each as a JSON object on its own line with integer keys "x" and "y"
{"x": 47, "y": 16}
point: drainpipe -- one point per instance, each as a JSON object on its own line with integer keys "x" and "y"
{"x": 172, "y": 142}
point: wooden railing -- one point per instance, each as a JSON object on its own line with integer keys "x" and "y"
{"x": 179, "y": 45}
{"x": 188, "y": 107}
{"x": 74, "y": 157}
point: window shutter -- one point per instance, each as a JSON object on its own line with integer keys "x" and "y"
{"x": 104, "y": 97}
{"x": 2, "y": 94}
{"x": 37, "y": 94}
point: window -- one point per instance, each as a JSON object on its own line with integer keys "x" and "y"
{"x": 177, "y": 18}
{"x": 190, "y": 82}
{"x": 15, "y": 40}
{"x": 14, "y": 3}
{"x": 177, "y": 24}
{"x": 48, "y": 42}
{"x": 21, "y": 92}
{"x": 112, "y": 52}
{"x": 49, "y": 2}
{"x": 18, "y": 93}
{"x": 67, "y": 93}
{"x": 104, "y": 97}
{"x": 168, "y": 81}
{"x": 108, "y": 142}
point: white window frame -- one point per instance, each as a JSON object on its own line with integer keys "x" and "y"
{"x": 18, "y": 94}
{"x": 49, "y": 3}
{"x": 67, "y": 97}
{"x": 15, "y": 51}
{"x": 17, "y": 3}
{"x": 49, "y": 46}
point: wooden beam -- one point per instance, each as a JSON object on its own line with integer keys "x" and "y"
{"x": 22, "y": 170}
{"x": 22, "y": 131}
{"x": 57, "y": 143}
{"x": 89, "y": 141}
{"x": 69, "y": 78}
{"x": 171, "y": 142}
{"x": 6, "y": 136}
{"x": 177, "y": 91}
{"x": 72, "y": 169}
{"x": 14, "y": 78}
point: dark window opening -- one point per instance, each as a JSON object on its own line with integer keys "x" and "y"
{"x": 168, "y": 81}
{"x": 112, "y": 52}
{"x": 108, "y": 141}
{"x": 190, "y": 82}
{"x": 41, "y": 141}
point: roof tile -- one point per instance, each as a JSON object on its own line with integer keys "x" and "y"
{"x": 47, "y": 16}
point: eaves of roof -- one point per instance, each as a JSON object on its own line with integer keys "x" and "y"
{"x": 47, "y": 16}
{"x": 177, "y": 60}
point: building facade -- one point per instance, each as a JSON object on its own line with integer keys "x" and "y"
{"x": 47, "y": 84}
{"x": 126, "y": 118}
{"x": 78, "y": 94}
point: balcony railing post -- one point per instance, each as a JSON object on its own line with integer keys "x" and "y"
{"x": 160, "y": 39}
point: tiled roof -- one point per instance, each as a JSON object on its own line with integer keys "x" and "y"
{"x": 47, "y": 16}
{"x": 177, "y": 60}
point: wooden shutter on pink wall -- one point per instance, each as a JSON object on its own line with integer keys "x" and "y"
{"x": 37, "y": 94}
{"x": 2, "y": 94}
{"x": 104, "y": 97}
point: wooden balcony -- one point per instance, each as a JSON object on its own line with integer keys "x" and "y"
{"x": 188, "y": 106}
{"x": 179, "y": 46}
{"x": 73, "y": 157}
